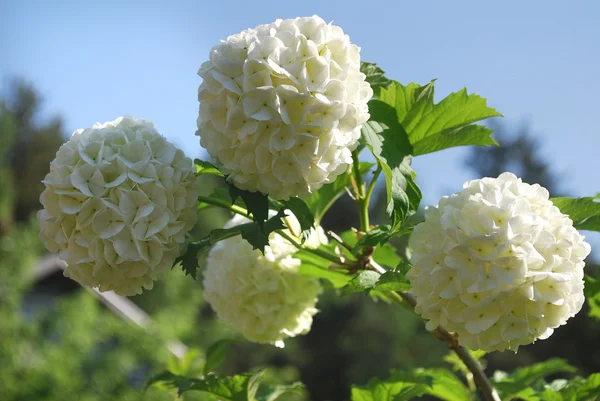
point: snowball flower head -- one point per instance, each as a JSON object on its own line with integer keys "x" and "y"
{"x": 262, "y": 296}
{"x": 498, "y": 264}
{"x": 281, "y": 106}
{"x": 118, "y": 202}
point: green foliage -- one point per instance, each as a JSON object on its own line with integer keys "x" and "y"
{"x": 392, "y": 281}
{"x": 320, "y": 201}
{"x": 189, "y": 260}
{"x": 585, "y": 212}
{"x": 257, "y": 235}
{"x": 368, "y": 280}
{"x": 204, "y": 167}
{"x": 591, "y": 291}
{"x": 318, "y": 267}
{"x": 404, "y": 385}
{"x": 375, "y": 76}
{"x": 216, "y": 354}
{"x": 256, "y": 203}
{"x": 271, "y": 393}
{"x": 235, "y": 388}
{"x": 376, "y": 236}
{"x": 303, "y": 214}
{"x": 364, "y": 281}
{"x": 432, "y": 127}
{"x": 242, "y": 387}
{"x": 220, "y": 195}
{"x": 389, "y": 143}
{"x": 519, "y": 383}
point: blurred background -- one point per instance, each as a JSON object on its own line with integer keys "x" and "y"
{"x": 68, "y": 64}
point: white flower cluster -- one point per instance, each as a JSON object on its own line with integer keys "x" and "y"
{"x": 118, "y": 202}
{"x": 281, "y": 106}
{"x": 498, "y": 264}
{"x": 262, "y": 296}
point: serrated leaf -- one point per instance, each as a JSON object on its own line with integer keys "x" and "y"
{"x": 204, "y": 167}
{"x": 389, "y": 143}
{"x": 216, "y": 354}
{"x": 235, "y": 388}
{"x": 256, "y": 203}
{"x": 432, "y": 127}
{"x": 400, "y": 386}
{"x": 582, "y": 389}
{"x": 585, "y": 212}
{"x": 521, "y": 379}
{"x": 257, "y": 234}
{"x": 303, "y": 214}
{"x": 403, "y": 97}
{"x": 320, "y": 201}
{"x": 375, "y": 76}
{"x": 272, "y": 393}
{"x": 363, "y": 281}
{"x": 392, "y": 281}
{"x": 405, "y": 385}
{"x": 376, "y": 236}
{"x": 189, "y": 260}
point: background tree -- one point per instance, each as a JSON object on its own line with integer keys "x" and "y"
{"x": 27, "y": 146}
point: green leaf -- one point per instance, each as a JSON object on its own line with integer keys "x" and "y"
{"x": 235, "y": 388}
{"x": 303, "y": 214}
{"x": 320, "y": 201}
{"x": 446, "y": 386}
{"x": 458, "y": 365}
{"x": 405, "y": 385}
{"x": 189, "y": 260}
{"x": 585, "y": 212}
{"x": 400, "y": 386}
{"x": 272, "y": 393}
{"x": 216, "y": 354}
{"x": 363, "y": 281}
{"x": 375, "y": 76}
{"x": 387, "y": 255}
{"x": 392, "y": 281}
{"x": 257, "y": 234}
{"x": 403, "y": 98}
{"x": 582, "y": 389}
{"x": 377, "y": 235}
{"x": 433, "y": 127}
{"x": 315, "y": 266}
{"x": 521, "y": 379}
{"x": 389, "y": 143}
{"x": 204, "y": 167}
{"x": 256, "y": 203}
{"x": 591, "y": 291}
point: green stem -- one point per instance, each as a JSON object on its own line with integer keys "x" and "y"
{"x": 372, "y": 184}
{"x": 225, "y": 205}
{"x": 361, "y": 199}
{"x": 240, "y": 210}
{"x": 319, "y": 252}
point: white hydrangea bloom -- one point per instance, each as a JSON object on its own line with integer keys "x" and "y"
{"x": 118, "y": 202}
{"x": 498, "y": 264}
{"x": 262, "y": 296}
{"x": 281, "y": 106}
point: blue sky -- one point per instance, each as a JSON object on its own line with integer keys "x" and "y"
{"x": 535, "y": 61}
